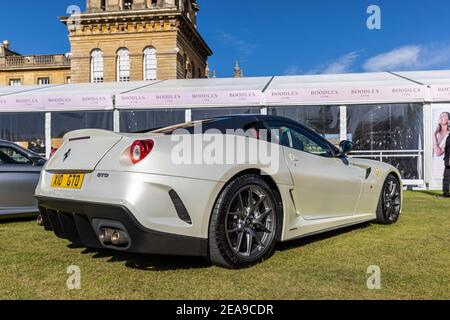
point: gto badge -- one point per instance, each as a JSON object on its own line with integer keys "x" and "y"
{"x": 67, "y": 154}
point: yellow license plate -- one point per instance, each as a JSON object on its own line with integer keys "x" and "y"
{"x": 67, "y": 181}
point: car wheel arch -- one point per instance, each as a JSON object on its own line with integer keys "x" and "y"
{"x": 268, "y": 179}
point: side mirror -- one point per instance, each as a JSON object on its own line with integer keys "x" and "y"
{"x": 345, "y": 147}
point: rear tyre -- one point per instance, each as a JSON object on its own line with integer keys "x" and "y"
{"x": 389, "y": 205}
{"x": 245, "y": 223}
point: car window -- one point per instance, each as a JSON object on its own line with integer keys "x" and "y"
{"x": 10, "y": 155}
{"x": 294, "y": 137}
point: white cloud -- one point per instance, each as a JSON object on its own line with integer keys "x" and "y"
{"x": 292, "y": 70}
{"x": 413, "y": 57}
{"x": 343, "y": 64}
{"x": 242, "y": 46}
{"x": 396, "y": 59}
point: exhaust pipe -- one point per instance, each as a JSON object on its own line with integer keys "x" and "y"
{"x": 105, "y": 236}
{"x": 119, "y": 238}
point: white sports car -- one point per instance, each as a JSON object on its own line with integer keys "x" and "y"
{"x": 159, "y": 192}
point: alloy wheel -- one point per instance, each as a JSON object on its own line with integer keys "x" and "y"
{"x": 391, "y": 199}
{"x": 249, "y": 223}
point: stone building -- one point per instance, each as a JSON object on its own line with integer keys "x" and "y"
{"x": 16, "y": 69}
{"x": 118, "y": 40}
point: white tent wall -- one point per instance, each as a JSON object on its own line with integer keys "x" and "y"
{"x": 175, "y": 101}
{"x": 438, "y": 101}
{"x": 60, "y": 108}
{"x": 134, "y": 106}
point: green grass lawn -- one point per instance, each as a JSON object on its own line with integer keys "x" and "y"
{"x": 414, "y": 257}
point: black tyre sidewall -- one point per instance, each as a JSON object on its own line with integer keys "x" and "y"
{"x": 220, "y": 251}
{"x": 381, "y": 213}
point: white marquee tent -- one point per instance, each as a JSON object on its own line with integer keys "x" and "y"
{"x": 389, "y": 116}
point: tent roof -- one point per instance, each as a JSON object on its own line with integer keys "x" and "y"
{"x": 86, "y": 96}
{"x": 7, "y": 90}
{"x": 428, "y": 77}
{"x": 338, "y": 80}
{"x": 438, "y": 81}
{"x": 92, "y": 88}
{"x": 343, "y": 89}
{"x": 196, "y": 93}
{"x": 361, "y": 88}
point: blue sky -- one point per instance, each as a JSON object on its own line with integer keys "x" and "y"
{"x": 278, "y": 37}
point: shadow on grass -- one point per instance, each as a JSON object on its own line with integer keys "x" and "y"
{"x": 300, "y": 242}
{"x": 149, "y": 262}
{"x": 16, "y": 219}
{"x": 165, "y": 263}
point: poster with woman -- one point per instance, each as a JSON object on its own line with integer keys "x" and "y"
{"x": 441, "y": 132}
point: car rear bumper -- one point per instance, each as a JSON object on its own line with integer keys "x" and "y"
{"x": 80, "y": 223}
{"x": 166, "y": 204}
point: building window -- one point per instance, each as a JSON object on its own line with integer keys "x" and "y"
{"x": 103, "y": 5}
{"x": 97, "y": 66}
{"x": 43, "y": 81}
{"x": 15, "y": 82}
{"x": 123, "y": 65}
{"x": 68, "y": 80}
{"x": 154, "y": 3}
{"x": 150, "y": 64}
{"x": 128, "y": 4}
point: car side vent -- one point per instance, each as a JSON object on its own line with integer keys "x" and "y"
{"x": 368, "y": 172}
{"x": 179, "y": 206}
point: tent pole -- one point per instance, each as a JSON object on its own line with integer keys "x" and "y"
{"x": 48, "y": 134}
{"x": 343, "y": 122}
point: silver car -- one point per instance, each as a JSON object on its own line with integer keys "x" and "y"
{"x": 190, "y": 189}
{"x": 19, "y": 175}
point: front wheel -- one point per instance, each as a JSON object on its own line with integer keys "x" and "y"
{"x": 389, "y": 205}
{"x": 245, "y": 223}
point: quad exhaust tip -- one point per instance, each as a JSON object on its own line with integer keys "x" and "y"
{"x": 105, "y": 236}
{"x": 117, "y": 238}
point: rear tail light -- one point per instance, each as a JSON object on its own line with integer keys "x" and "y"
{"x": 141, "y": 149}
